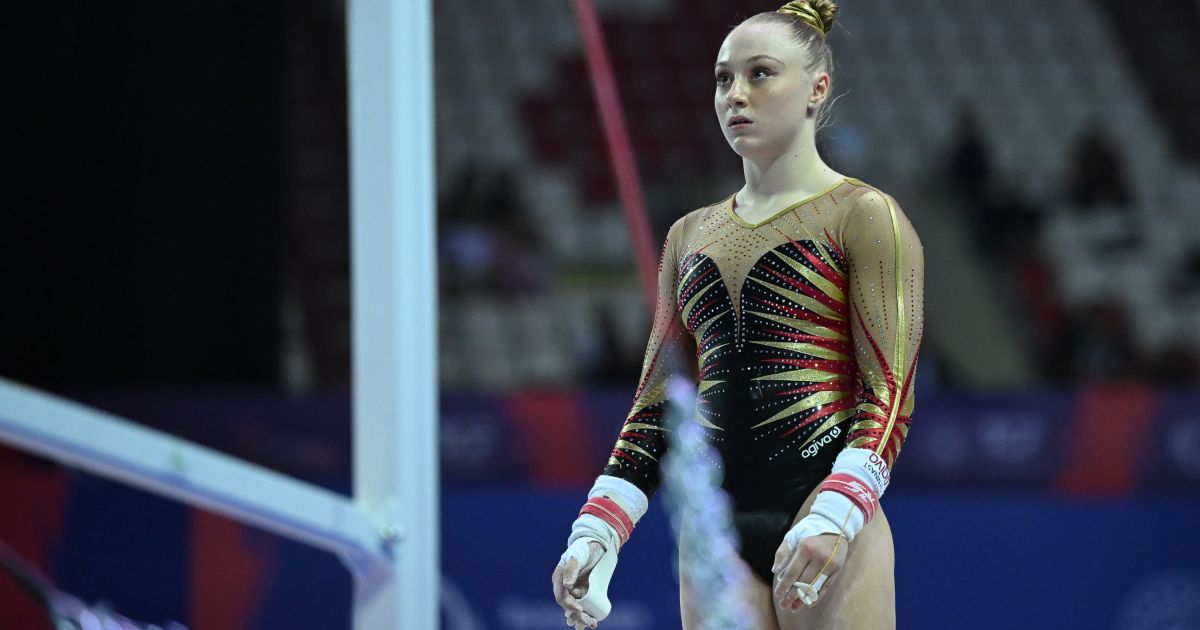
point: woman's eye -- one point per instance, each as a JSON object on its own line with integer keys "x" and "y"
{"x": 722, "y": 79}
{"x": 760, "y": 73}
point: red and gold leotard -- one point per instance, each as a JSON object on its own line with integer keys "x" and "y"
{"x": 805, "y": 328}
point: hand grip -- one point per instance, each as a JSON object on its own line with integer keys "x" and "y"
{"x": 595, "y": 602}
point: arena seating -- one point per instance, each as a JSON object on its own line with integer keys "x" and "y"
{"x": 513, "y": 92}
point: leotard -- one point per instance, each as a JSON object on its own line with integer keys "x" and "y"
{"x": 805, "y": 329}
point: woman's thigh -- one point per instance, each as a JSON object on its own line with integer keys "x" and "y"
{"x": 862, "y": 594}
{"x": 753, "y": 592}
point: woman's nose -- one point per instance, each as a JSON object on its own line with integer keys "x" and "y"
{"x": 736, "y": 97}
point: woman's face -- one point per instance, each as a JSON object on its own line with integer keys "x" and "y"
{"x": 763, "y": 89}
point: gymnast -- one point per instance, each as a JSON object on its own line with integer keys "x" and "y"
{"x": 801, "y": 298}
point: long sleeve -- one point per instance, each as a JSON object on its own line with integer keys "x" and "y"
{"x": 887, "y": 268}
{"x": 642, "y": 440}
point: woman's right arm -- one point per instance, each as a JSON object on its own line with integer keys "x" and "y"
{"x": 642, "y": 442}
{"x": 620, "y": 496}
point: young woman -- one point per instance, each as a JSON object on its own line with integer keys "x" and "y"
{"x": 801, "y": 295}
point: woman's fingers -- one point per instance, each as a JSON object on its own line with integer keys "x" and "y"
{"x": 784, "y": 593}
{"x": 570, "y": 573}
{"x": 781, "y": 556}
{"x": 832, "y": 550}
{"x": 825, "y": 554}
{"x": 556, "y": 581}
{"x": 821, "y": 562}
{"x": 580, "y": 620}
{"x": 571, "y": 581}
{"x": 564, "y": 581}
{"x": 808, "y": 577}
{"x": 783, "y": 559}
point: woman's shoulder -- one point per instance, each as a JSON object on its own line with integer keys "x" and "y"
{"x": 865, "y": 201}
{"x": 694, "y": 218}
{"x": 862, "y": 195}
{"x": 871, "y": 212}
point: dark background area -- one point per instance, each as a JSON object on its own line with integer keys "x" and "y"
{"x": 144, "y": 237}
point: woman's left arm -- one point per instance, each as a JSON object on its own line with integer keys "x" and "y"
{"x": 886, "y": 292}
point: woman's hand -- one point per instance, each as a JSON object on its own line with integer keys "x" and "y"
{"x": 815, "y": 554}
{"x": 570, "y": 580}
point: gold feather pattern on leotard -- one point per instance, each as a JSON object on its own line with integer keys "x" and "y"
{"x": 805, "y": 328}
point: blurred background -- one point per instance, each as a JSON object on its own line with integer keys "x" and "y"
{"x": 174, "y": 245}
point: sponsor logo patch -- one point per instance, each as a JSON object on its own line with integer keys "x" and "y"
{"x": 815, "y": 447}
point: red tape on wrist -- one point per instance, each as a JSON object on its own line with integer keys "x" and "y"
{"x": 854, "y": 489}
{"x": 608, "y": 511}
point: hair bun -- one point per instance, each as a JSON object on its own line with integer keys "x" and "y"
{"x": 819, "y": 14}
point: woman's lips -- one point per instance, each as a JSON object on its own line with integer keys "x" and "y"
{"x": 740, "y": 122}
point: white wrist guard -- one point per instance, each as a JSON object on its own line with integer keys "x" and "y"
{"x": 827, "y": 515}
{"x": 627, "y": 495}
{"x": 588, "y": 527}
{"x": 834, "y": 512}
{"x": 866, "y": 466}
{"x": 614, "y": 506}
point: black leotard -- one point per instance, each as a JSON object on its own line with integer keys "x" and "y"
{"x": 805, "y": 328}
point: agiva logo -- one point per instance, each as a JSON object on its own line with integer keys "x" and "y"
{"x": 815, "y": 447}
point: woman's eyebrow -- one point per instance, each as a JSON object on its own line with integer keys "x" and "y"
{"x": 753, "y": 59}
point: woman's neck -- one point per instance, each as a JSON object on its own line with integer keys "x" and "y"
{"x": 798, "y": 172}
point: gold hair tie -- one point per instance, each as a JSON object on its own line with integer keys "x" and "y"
{"x": 804, "y": 11}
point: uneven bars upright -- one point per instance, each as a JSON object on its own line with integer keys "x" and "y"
{"x": 390, "y": 56}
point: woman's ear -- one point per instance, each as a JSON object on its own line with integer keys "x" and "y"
{"x": 818, "y": 94}
{"x": 820, "y": 90}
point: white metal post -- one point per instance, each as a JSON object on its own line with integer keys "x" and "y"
{"x": 390, "y": 55}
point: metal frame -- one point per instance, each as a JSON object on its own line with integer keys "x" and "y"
{"x": 395, "y": 296}
{"x": 388, "y": 534}
{"x": 113, "y": 447}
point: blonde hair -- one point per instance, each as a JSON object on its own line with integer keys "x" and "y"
{"x": 819, "y": 14}
{"x": 810, "y": 22}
